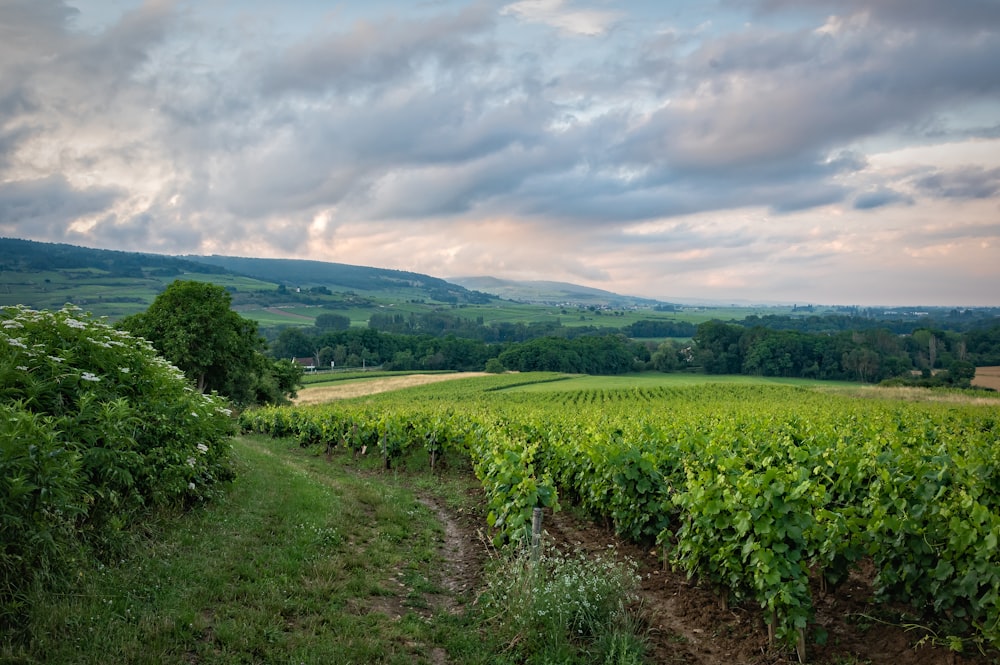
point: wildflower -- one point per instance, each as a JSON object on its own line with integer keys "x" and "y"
{"x": 191, "y": 486}
{"x": 202, "y": 448}
{"x": 124, "y": 370}
{"x": 190, "y": 462}
{"x": 22, "y": 368}
{"x": 73, "y": 323}
{"x": 13, "y": 341}
{"x": 87, "y": 376}
{"x": 10, "y": 323}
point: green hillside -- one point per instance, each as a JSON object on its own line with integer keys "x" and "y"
{"x": 275, "y": 291}
{"x": 306, "y": 274}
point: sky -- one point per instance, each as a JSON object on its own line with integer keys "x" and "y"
{"x": 840, "y": 152}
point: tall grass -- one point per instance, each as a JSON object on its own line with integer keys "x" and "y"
{"x": 565, "y": 607}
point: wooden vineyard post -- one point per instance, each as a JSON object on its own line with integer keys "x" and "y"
{"x": 536, "y": 534}
{"x": 385, "y": 449}
{"x": 800, "y": 645}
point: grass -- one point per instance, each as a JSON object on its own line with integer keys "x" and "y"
{"x": 310, "y": 560}
{"x": 337, "y": 376}
{"x": 659, "y": 379}
{"x": 303, "y": 561}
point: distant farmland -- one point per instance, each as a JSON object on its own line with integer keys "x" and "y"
{"x": 987, "y": 377}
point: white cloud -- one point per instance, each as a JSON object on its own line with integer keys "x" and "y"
{"x": 558, "y": 14}
{"x": 768, "y": 157}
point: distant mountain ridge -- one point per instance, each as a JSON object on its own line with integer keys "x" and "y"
{"x": 552, "y": 293}
{"x": 151, "y": 273}
{"x": 47, "y": 275}
{"x": 308, "y": 273}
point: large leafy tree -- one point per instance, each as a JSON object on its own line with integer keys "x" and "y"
{"x": 192, "y": 326}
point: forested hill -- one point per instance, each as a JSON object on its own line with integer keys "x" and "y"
{"x": 340, "y": 276}
{"x": 18, "y": 255}
{"x": 115, "y": 283}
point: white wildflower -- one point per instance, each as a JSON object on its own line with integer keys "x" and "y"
{"x": 56, "y": 359}
{"x": 124, "y": 370}
{"x": 191, "y": 486}
{"x": 10, "y": 323}
{"x": 73, "y": 323}
{"x": 190, "y": 462}
{"x": 22, "y": 368}
{"x": 87, "y": 376}
{"x": 202, "y": 448}
{"x": 13, "y": 341}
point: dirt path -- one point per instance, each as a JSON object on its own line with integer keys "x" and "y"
{"x": 360, "y": 387}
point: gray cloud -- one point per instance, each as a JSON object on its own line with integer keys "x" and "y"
{"x": 879, "y": 197}
{"x": 199, "y": 135}
{"x": 971, "y": 182}
{"x": 46, "y": 205}
{"x": 375, "y": 54}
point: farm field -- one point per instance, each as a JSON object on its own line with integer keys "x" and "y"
{"x": 804, "y": 511}
{"x": 327, "y": 392}
{"x": 660, "y": 379}
{"x": 320, "y": 554}
{"x": 987, "y": 377}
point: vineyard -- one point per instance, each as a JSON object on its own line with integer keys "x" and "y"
{"x": 765, "y": 493}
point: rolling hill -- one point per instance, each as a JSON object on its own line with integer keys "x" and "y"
{"x": 554, "y": 293}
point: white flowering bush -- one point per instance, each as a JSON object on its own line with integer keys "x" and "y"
{"x": 95, "y": 430}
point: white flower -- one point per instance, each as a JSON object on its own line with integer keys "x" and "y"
{"x": 56, "y": 359}
{"x": 191, "y": 486}
{"x": 10, "y": 323}
{"x": 73, "y": 323}
{"x": 22, "y": 368}
{"x": 124, "y": 370}
{"x": 202, "y": 448}
{"x": 13, "y": 341}
{"x": 190, "y": 462}
{"x": 87, "y": 376}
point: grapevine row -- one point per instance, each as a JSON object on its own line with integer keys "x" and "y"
{"x": 756, "y": 490}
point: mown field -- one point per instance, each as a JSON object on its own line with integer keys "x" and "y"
{"x": 987, "y": 377}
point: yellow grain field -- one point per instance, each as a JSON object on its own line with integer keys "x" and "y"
{"x": 987, "y": 377}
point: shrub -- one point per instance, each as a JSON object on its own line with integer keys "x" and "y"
{"x": 95, "y": 431}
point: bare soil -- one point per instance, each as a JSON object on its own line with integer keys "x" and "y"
{"x": 987, "y": 377}
{"x": 687, "y": 623}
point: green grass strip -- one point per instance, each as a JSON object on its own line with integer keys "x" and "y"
{"x": 301, "y": 561}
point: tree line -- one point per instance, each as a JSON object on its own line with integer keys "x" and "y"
{"x": 715, "y": 347}
{"x": 870, "y": 355}
{"x": 192, "y": 325}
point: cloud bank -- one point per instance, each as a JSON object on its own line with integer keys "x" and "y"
{"x": 767, "y": 150}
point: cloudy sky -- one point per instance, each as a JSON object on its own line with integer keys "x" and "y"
{"x": 824, "y": 151}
